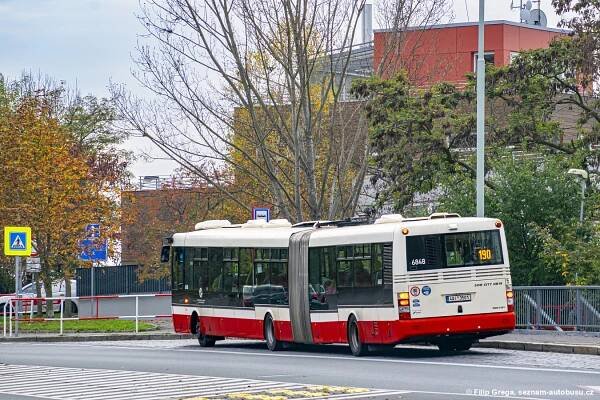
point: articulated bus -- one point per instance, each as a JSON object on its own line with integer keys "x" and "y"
{"x": 442, "y": 279}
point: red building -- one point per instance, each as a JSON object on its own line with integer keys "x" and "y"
{"x": 448, "y": 52}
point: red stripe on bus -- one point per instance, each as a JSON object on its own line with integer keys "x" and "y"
{"x": 382, "y": 332}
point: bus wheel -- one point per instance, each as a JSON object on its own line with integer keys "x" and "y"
{"x": 204, "y": 340}
{"x": 272, "y": 343}
{"x": 356, "y": 347}
{"x": 455, "y": 345}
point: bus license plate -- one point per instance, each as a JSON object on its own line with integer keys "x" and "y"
{"x": 457, "y": 298}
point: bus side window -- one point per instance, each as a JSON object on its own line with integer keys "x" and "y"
{"x": 362, "y": 265}
{"x": 328, "y": 275}
{"x": 230, "y": 270}
{"x": 245, "y": 277}
{"x": 215, "y": 269}
{"x": 200, "y": 268}
{"x": 177, "y": 268}
{"x": 377, "y": 264}
{"x": 261, "y": 273}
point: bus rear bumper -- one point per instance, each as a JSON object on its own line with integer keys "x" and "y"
{"x": 475, "y": 326}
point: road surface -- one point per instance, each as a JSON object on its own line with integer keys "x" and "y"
{"x": 236, "y": 370}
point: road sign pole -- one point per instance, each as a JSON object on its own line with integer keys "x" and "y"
{"x": 92, "y": 291}
{"x": 17, "y": 242}
{"x": 18, "y": 292}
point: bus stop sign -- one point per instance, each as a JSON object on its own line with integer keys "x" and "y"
{"x": 17, "y": 241}
{"x": 263, "y": 213}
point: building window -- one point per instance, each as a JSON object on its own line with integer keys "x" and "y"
{"x": 488, "y": 56}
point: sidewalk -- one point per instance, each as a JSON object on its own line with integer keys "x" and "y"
{"x": 164, "y": 331}
{"x": 547, "y": 341}
{"x": 88, "y": 337}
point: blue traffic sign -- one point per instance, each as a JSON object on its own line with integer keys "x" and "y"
{"x": 93, "y": 249}
{"x": 17, "y": 240}
{"x": 92, "y": 231}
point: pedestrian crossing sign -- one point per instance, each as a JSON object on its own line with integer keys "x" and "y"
{"x": 17, "y": 241}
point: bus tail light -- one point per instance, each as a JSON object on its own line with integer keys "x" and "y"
{"x": 510, "y": 301}
{"x": 403, "y": 305}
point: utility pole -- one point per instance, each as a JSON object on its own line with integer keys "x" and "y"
{"x": 480, "y": 115}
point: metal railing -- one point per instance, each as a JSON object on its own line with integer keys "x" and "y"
{"x": 121, "y": 279}
{"x": 11, "y": 314}
{"x": 560, "y": 308}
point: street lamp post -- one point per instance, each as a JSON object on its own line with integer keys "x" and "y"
{"x": 582, "y": 177}
{"x": 480, "y": 114}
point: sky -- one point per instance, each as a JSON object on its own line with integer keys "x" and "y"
{"x": 89, "y": 43}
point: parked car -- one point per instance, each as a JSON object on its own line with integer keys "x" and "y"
{"x": 30, "y": 291}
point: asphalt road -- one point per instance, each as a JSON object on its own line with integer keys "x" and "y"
{"x": 91, "y": 370}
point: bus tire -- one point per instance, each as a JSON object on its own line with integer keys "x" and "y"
{"x": 204, "y": 340}
{"x": 269, "y": 332}
{"x": 356, "y": 346}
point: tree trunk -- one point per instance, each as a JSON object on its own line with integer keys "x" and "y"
{"x": 38, "y": 294}
{"x": 68, "y": 303}
{"x": 49, "y": 306}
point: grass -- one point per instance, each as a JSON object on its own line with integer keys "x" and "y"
{"x": 97, "y": 325}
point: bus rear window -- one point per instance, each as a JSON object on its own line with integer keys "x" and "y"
{"x": 451, "y": 250}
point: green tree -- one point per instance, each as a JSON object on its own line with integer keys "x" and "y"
{"x": 421, "y": 141}
{"x": 539, "y": 206}
{"x": 415, "y": 133}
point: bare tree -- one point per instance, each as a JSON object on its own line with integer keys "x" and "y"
{"x": 255, "y": 90}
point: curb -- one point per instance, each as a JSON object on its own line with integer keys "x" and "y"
{"x": 508, "y": 345}
{"x": 96, "y": 338}
{"x": 542, "y": 347}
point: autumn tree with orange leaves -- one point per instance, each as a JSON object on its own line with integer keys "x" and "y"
{"x": 54, "y": 178}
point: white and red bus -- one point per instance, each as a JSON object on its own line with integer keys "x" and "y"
{"x": 442, "y": 279}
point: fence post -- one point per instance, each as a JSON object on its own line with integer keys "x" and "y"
{"x": 538, "y": 311}
{"x": 528, "y": 314}
{"x": 62, "y": 302}
{"x": 577, "y": 309}
{"x": 4, "y": 318}
{"x": 137, "y": 305}
{"x": 10, "y": 314}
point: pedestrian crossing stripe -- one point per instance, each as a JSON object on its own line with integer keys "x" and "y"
{"x": 58, "y": 383}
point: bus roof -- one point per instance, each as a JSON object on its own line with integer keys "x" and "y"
{"x": 260, "y": 236}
